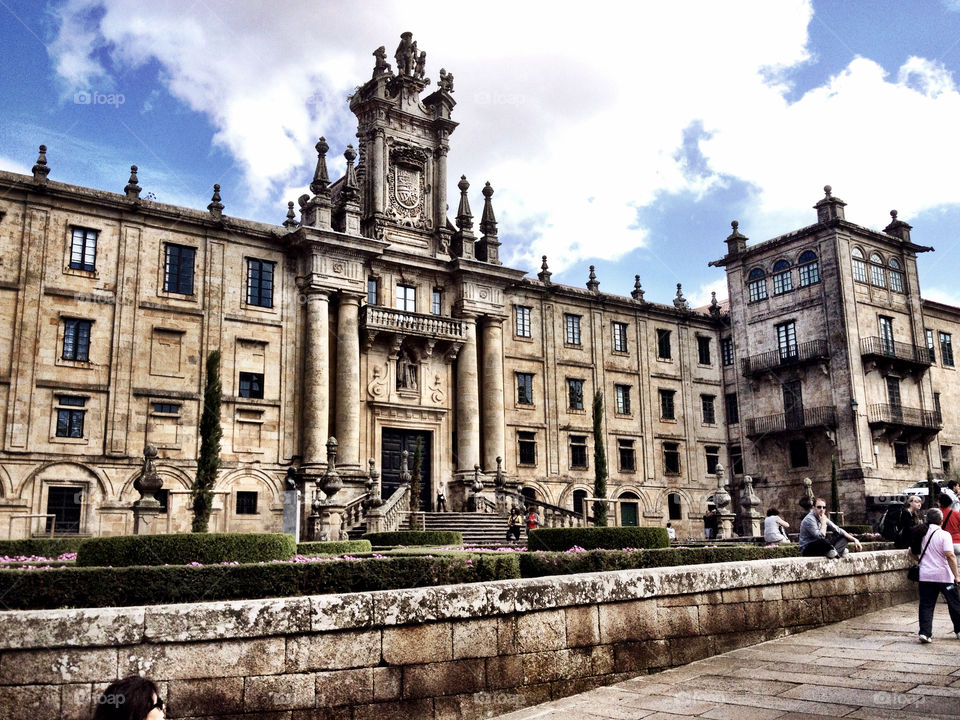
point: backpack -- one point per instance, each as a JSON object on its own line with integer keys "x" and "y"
{"x": 889, "y": 522}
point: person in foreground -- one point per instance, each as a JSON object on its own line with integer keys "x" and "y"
{"x": 938, "y": 574}
{"x": 133, "y": 698}
{"x": 813, "y": 534}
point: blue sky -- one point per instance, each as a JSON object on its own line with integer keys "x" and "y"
{"x": 628, "y": 138}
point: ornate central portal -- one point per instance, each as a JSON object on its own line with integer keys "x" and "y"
{"x": 395, "y": 441}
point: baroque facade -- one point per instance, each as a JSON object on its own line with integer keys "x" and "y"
{"x": 375, "y": 318}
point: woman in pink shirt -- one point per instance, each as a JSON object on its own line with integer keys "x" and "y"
{"x": 938, "y": 575}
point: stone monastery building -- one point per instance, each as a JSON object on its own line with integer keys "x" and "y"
{"x": 373, "y": 316}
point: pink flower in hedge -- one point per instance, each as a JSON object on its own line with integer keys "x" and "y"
{"x": 576, "y": 549}
{"x": 195, "y": 564}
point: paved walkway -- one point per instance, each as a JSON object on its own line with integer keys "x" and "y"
{"x": 868, "y": 667}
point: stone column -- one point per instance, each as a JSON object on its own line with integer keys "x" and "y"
{"x": 492, "y": 410}
{"x": 348, "y": 381}
{"x": 379, "y": 170}
{"x": 468, "y": 400}
{"x": 440, "y": 209}
{"x": 316, "y": 385}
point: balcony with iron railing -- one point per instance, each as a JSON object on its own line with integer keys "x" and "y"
{"x": 801, "y": 354}
{"x": 900, "y": 417}
{"x": 801, "y": 419}
{"x": 895, "y": 353}
{"x": 374, "y": 318}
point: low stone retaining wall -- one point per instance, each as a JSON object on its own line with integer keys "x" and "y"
{"x": 458, "y": 651}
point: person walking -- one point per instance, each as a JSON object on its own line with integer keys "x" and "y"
{"x": 533, "y": 519}
{"x": 774, "y": 527}
{"x": 938, "y": 574}
{"x": 514, "y": 524}
{"x": 813, "y": 534}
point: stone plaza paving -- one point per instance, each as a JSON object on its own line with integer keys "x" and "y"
{"x": 869, "y": 667}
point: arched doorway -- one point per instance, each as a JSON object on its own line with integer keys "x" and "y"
{"x": 629, "y": 509}
{"x": 530, "y": 495}
{"x": 579, "y": 496}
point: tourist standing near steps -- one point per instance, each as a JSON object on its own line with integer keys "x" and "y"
{"x": 671, "y": 533}
{"x": 133, "y": 698}
{"x": 533, "y": 519}
{"x": 774, "y": 527}
{"x": 951, "y": 520}
{"x": 938, "y": 574}
{"x": 514, "y": 524}
{"x": 813, "y": 534}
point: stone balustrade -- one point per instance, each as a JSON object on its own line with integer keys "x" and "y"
{"x": 465, "y": 651}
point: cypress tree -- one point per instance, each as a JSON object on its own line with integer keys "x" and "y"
{"x": 201, "y": 493}
{"x": 599, "y": 462}
{"x": 834, "y": 487}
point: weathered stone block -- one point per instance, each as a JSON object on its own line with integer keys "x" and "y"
{"x": 229, "y": 658}
{"x": 90, "y": 627}
{"x": 279, "y": 692}
{"x": 412, "y": 644}
{"x": 29, "y": 702}
{"x": 387, "y": 683}
{"x": 236, "y": 619}
{"x": 205, "y": 697}
{"x": 346, "y": 687}
{"x": 634, "y": 657}
{"x": 738, "y": 617}
{"x": 334, "y": 713}
{"x": 802, "y": 611}
{"x": 673, "y": 622}
{"x": 732, "y": 641}
{"x": 444, "y": 678}
{"x": 76, "y": 702}
{"x": 602, "y": 657}
{"x": 504, "y": 671}
{"x": 475, "y": 638}
{"x": 409, "y": 606}
{"x": 739, "y": 595}
{"x": 481, "y": 704}
{"x": 341, "y": 612}
{"x": 582, "y": 625}
{"x": 766, "y": 593}
{"x": 841, "y": 608}
{"x": 57, "y": 666}
{"x": 540, "y": 631}
{"x": 795, "y": 590}
{"x": 542, "y": 667}
{"x": 628, "y": 621}
{"x": 574, "y": 663}
{"x": 689, "y": 649}
{"x": 333, "y": 650}
{"x": 702, "y": 598}
{"x": 400, "y": 710}
{"x": 833, "y": 587}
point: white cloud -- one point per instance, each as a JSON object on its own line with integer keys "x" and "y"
{"x": 941, "y": 295}
{"x": 14, "y": 166}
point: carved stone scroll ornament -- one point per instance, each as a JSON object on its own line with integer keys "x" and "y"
{"x": 377, "y": 387}
{"x": 437, "y": 395}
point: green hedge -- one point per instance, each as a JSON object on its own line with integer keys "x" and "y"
{"x": 415, "y": 537}
{"x": 106, "y": 587}
{"x": 858, "y": 529}
{"x": 205, "y": 548}
{"x": 591, "y": 538}
{"x": 42, "y": 547}
{"x": 333, "y": 547}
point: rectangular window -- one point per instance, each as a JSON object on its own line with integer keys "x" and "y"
{"x": 726, "y": 351}
{"x": 70, "y": 418}
{"x": 573, "y": 329}
{"x": 945, "y": 456}
{"x": 436, "y": 302}
{"x": 76, "y": 340}
{"x": 663, "y": 344}
{"x": 575, "y": 393}
{"x": 713, "y": 458}
{"x": 736, "y": 460}
{"x": 946, "y": 349}
{"x": 163, "y": 497}
{"x": 524, "y": 388}
{"x": 886, "y": 335}
{"x": 671, "y": 458}
{"x": 709, "y": 411}
{"x": 83, "y": 249}
{"x": 373, "y": 289}
{"x": 893, "y": 393}
{"x": 732, "y": 409}
{"x": 251, "y": 385}
{"x": 623, "y": 399}
{"x": 578, "y": 451}
{"x": 809, "y": 273}
{"x": 787, "y": 341}
{"x": 260, "y": 282}
{"x": 798, "y": 453}
{"x": 896, "y": 281}
{"x": 246, "y": 502}
{"x": 877, "y": 275}
{"x": 65, "y": 504}
{"x": 703, "y": 350}
{"x": 931, "y": 351}
{"x": 165, "y": 408}
{"x": 406, "y": 298}
{"x": 178, "y": 268}
{"x": 758, "y": 289}
{"x": 628, "y": 459}
{"x": 782, "y": 282}
{"x": 527, "y": 442}
{"x": 619, "y": 337}
{"x": 901, "y": 453}
{"x": 666, "y": 404}
{"x": 523, "y": 321}
{"x": 859, "y": 269}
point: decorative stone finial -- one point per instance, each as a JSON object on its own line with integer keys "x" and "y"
{"x": 291, "y": 221}
{"x": 132, "y": 189}
{"x": 488, "y": 222}
{"x": 381, "y": 66}
{"x": 680, "y": 302}
{"x": 827, "y": 190}
{"x": 544, "y": 273}
{"x": 637, "y": 293}
{"x": 898, "y": 228}
{"x": 405, "y": 476}
{"x": 446, "y": 81}
{"x": 149, "y": 482}
{"x": 350, "y": 188}
{"x": 464, "y": 216}
{"x": 40, "y": 169}
{"x": 736, "y": 242}
{"x": 216, "y": 207}
{"x": 477, "y": 482}
{"x": 714, "y": 305}
{"x": 721, "y": 498}
{"x": 829, "y": 207}
{"x": 331, "y": 483}
{"x": 807, "y": 499}
{"x": 321, "y": 180}
{"x": 592, "y": 284}
{"x": 498, "y": 478}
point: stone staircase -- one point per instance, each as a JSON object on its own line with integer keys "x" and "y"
{"x": 477, "y": 528}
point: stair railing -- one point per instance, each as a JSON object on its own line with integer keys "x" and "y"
{"x": 389, "y": 516}
{"x": 551, "y": 515}
{"x": 354, "y": 513}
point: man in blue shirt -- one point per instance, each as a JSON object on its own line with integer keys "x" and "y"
{"x": 813, "y": 534}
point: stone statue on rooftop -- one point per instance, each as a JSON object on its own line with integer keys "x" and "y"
{"x": 381, "y": 67}
{"x": 406, "y": 54}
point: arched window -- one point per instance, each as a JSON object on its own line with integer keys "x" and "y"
{"x": 629, "y": 509}
{"x": 809, "y": 268}
{"x": 896, "y": 275}
{"x": 674, "y": 507}
{"x": 757, "y": 284}
{"x": 578, "y": 497}
{"x": 782, "y": 279}
{"x": 859, "y": 266}
{"x": 878, "y": 276}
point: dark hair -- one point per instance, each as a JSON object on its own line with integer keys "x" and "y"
{"x": 952, "y": 484}
{"x": 944, "y": 500}
{"x": 127, "y": 699}
{"x": 772, "y": 511}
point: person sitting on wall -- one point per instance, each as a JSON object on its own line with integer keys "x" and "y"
{"x": 774, "y": 527}
{"x": 133, "y": 698}
{"x": 514, "y": 524}
{"x": 951, "y": 520}
{"x": 813, "y": 534}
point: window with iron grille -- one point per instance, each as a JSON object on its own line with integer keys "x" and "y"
{"x": 83, "y": 249}
{"x": 859, "y": 265}
{"x": 165, "y": 408}
{"x": 666, "y": 404}
{"x": 732, "y": 409}
{"x": 527, "y": 445}
{"x": 178, "y": 268}
{"x": 246, "y": 502}
{"x": 709, "y": 411}
{"x": 619, "y": 337}
{"x": 757, "y": 285}
{"x": 782, "y": 277}
{"x": 573, "y": 329}
{"x": 663, "y": 344}
{"x": 523, "y": 321}
{"x": 623, "y": 399}
{"x": 407, "y": 298}
{"x": 726, "y": 351}
{"x": 76, "y": 340}
{"x": 809, "y": 268}
{"x": 578, "y": 451}
{"x": 703, "y": 350}
{"x": 886, "y": 335}
{"x": 575, "y": 393}
{"x": 713, "y": 458}
{"x": 524, "y": 388}
{"x": 946, "y": 349}
{"x": 251, "y": 385}
{"x": 671, "y": 458}
{"x": 260, "y": 282}
{"x": 628, "y": 459}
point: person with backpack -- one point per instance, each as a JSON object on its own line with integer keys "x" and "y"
{"x": 933, "y": 549}
{"x": 899, "y": 520}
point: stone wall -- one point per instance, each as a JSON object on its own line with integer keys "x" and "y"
{"x": 461, "y": 651}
